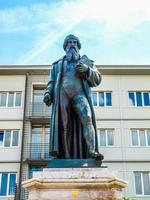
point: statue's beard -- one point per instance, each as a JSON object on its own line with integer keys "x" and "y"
{"x": 72, "y": 54}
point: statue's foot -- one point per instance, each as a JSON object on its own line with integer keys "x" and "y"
{"x": 96, "y": 155}
{"x": 54, "y": 154}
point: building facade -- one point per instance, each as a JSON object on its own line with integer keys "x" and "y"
{"x": 122, "y": 108}
{"x": 12, "y": 93}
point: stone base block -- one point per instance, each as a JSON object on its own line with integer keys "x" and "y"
{"x": 75, "y": 184}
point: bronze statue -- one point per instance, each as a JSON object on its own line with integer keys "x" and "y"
{"x": 73, "y": 126}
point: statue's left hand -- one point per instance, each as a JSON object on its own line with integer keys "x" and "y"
{"x": 81, "y": 67}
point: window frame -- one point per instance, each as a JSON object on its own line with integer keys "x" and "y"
{"x": 106, "y": 137}
{"x": 8, "y": 183}
{"x": 7, "y": 97}
{"x": 135, "y": 99}
{"x": 98, "y": 98}
{"x": 11, "y": 138}
{"x": 138, "y": 136}
{"x": 142, "y": 183}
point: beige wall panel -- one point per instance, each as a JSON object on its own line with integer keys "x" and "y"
{"x": 10, "y": 167}
{"x": 136, "y": 113}
{"x": 11, "y": 125}
{"x": 136, "y": 124}
{"x": 111, "y": 153}
{"x": 137, "y": 153}
{"x": 135, "y": 82}
{"x": 12, "y": 83}
{"x": 107, "y": 113}
{"x": 11, "y": 113}
{"x": 10, "y": 154}
{"x": 108, "y": 83}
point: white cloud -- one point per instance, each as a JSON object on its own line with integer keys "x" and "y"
{"x": 66, "y": 19}
{"x": 58, "y": 19}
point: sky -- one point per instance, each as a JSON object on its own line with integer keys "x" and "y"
{"x": 112, "y": 32}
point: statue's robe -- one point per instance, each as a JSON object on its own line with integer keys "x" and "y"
{"x": 91, "y": 78}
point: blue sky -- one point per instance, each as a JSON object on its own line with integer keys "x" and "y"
{"x": 111, "y": 32}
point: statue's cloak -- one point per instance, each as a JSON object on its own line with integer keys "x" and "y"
{"x": 77, "y": 142}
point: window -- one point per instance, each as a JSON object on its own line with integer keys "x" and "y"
{"x": 140, "y": 137}
{"x": 9, "y": 138}
{"x": 142, "y": 183}
{"x": 10, "y": 99}
{"x": 7, "y": 184}
{"x": 105, "y": 137}
{"x": 15, "y": 138}
{"x": 18, "y": 99}
{"x": 139, "y": 99}
{"x": 40, "y": 141}
{"x": 38, "y": 106}
{"x": 3, "y": 98}
{"x": 102, "y": 99}
{"x": 34, "y": 169}
{"x": 1, "y": 138}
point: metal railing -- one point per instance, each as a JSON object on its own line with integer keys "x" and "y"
{"x": 38, "y": 109}
{"x": 36, "y": 151}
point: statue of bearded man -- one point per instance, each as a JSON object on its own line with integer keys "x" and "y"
{"x": 73, "y": 126}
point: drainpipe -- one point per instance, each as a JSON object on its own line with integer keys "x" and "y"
{"x": 22, "y": 143}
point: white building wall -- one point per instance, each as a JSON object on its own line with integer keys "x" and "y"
{"x": 121, "y": 117}
{"x": 122, "y": 157}
{"x": 11, "y": 118}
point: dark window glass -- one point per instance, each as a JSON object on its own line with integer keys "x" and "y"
{"x": 11, "y": 99}
{"x": 108, "y": 99}
{"x": 1, "y": 137}
{"x": 142, "y": 138}
{"x": 102, "y": 138}
{"x": 132, "y": 99}
{"x": 94, "y": 98}
{"x": 38, "y": 106}
{"x": 110, "y": 137}
{"x": 7, "y": 138}
{"x": 47, "y": 130}
{"x": 12, "y": 183}
{"x": 36, "y": 148}
{"x": 146, "y": 99}
{"x": 139, "y": 98}
{"x": 3, "y": 97}
{"x": 146, "y": 182}
{"x": 15, "y": 138}
{"x": 18, "y": 99}
{"x": 148, "y": 137}
{"x": 37, "y": 134}
{"x": 138, "y": 183}
{"x": 134, "y": 137}
{"x": 38, "y": 96}
{"x": 101, "y": 99}
{"x": 3, "y": 189}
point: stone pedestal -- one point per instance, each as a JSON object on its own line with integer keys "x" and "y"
{"x": 75, "y": 184}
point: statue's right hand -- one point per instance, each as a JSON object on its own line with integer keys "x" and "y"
{"x": 47, "y": 99}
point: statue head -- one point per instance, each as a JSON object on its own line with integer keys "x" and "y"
{"x": 71, "y": 40}
{"x": 72, "y": 46}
